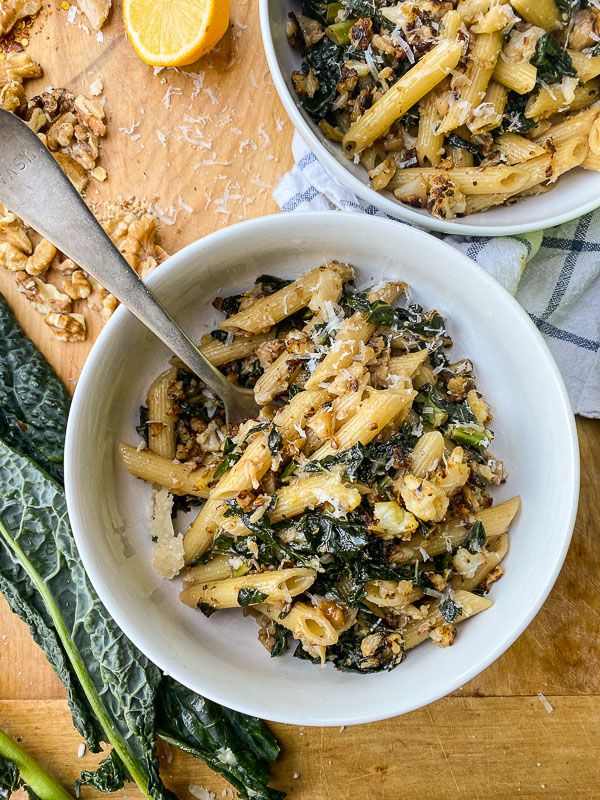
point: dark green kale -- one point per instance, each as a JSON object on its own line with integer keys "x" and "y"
{"x": 269, "y": 284}
{"x": 325, "y": 59}
{"x": 449, "y": 609}
{"x": 315, "y": 9}
{"x": 566, "y": 8}
{"x": 18, "y": 770}
{"x": 230, "y": 457}
{"x": 247, "y": 596}
{"x": 552, "y": 61}
{"x": 477, "y": 537}
{"x": 282, "y": 637}
{"x": 361, "y": 8}
{"x": 228, "y": 305}
{"x": 275, "y": 441}
{"x": 454, "y": 140}
{"x": 437, "y": 410}
{"x": 385, "y": 649}
{"x": 142, "y": 428}
{"x": 219, "y": 335}
{"x": 34, "y": 404}
{"x": 343, "y": 538}
{"x": 514, "y": 119}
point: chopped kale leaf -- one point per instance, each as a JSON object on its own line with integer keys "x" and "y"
{"x": 552, "y": 61}
{"x": 247, "y": 596}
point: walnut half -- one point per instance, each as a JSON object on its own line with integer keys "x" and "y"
{"x": 11, "y": 11}
{"x": 66, "y": 327}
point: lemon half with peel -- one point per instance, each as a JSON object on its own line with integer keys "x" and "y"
{"x": 172, "y": 33}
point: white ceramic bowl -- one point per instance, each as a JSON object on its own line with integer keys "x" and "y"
{"x": 220, "y": 657}
{"x": 577, "y": 193}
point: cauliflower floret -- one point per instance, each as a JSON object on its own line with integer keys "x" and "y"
{"x": 467, "y": 563}
{"x": 521, "y": 44}
{"x": 454, "y": 475}
{"x": 393, "y": 520}
{"x": 445, "y": 200}
{"x": 479, "y": 407}
{"x": 424, "y": 499}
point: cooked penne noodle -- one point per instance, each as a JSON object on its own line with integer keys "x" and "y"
{"x": 427, "y": 453}
{"x": 568, "y": 155}
{"x": 407, "y": 364}
{"x": 490, "y": 113}
{"x": 216, "y": 569}
{"x": 391, "y": 594}
{"x": 515, "y": 149}
{"x": 161, "y": 422}
{"x": 403, "y": 95}
{"x": 176, "y": 477}
{"x": 471, "y": 87}
{"x": 574, "y": 126}
{"x": 542, "y": 13}
{"x": 271, "y": 586}
{"x": 450, "y": 25}
{"x": 268, "y": 311}
{"x": 303, "y": 494}
{"x": 372, "y": 416}
{"x": 219, "y": 353}
{"x": 430, "y": 143}
{"x": 307, "y": 623}
{"x": 461, "y": 157}
{"x": 353, "y": 332}
{"x": 587, "y": 66}
{"x": 452, "y": 534}
{"x": 552, "y": 99}
{"x": 518, "y": 76}
{"x": 277, "y": 377}
{"x": 539, "y": 169}
{"x": 472, "y": 180}
{"x": 471, "y": 10}
{"x": 418, "y": 631}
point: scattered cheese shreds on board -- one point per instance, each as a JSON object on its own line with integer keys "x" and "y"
{"x": 200, "y": 792}
{"x": 545, "y": 702}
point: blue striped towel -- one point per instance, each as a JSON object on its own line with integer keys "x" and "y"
{"x": 554, "y": 274}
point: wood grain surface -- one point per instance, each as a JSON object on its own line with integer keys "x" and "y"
{"x": 225, "y": 149}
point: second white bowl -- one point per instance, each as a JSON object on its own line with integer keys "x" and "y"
{"x": 576, "y": 193}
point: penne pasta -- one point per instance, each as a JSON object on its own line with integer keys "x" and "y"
{"x": 372, "y": 416}
{"x": 403, "y": 95}
{"x": 177, "y": 478}
{"x": 452, "y": 534}
{"x": 515, "y": 149}
{"x": 307, "y": 623}
{"x": 553, "y": 99}
{"x": 271, "y": 586}
{"x": 427, "y": 453}
{"x": 542, "y": 13}
{"x": 268, "y": 311}
{"x": 161, "y": 422}
{"x": 219, "y": 353}
{"x": 418, "y": 631}
{"x": 517, "y": 76}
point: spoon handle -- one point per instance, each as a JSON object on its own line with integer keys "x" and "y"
{"x": 34, "y": 187}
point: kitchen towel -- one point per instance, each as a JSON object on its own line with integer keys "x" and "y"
{"x": 554, "y": 274}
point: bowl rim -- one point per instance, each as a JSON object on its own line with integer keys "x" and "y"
{"x": 147, "y": 645}
{"x": 394, "y": 208}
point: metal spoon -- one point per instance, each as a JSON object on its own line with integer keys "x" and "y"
{"x": 34, "y": 187}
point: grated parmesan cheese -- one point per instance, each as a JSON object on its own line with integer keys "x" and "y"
{"x": 200, "y": 792}
{"x": 167, "y": 557}
{"x": 545, "y": 702}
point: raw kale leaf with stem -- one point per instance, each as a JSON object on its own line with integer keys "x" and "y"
{"x": 34, "y": 404}
{"x": 19, "y": 770}
{"x": 112, "y": 689}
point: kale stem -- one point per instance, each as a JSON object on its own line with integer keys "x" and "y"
{"x": 32, "y": 774}
{"x": 114, "y": 737}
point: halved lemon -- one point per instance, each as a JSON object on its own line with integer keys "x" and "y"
{"x": 172, "y": 33}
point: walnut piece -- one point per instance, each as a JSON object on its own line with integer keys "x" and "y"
{"x": 66, "y": 327}
{"x": 96, "y": 11}
{"x": 19, "y": 67}
{"x": 11, "y": 11}
{"x": 44, "y": 297}
{"x": 133, "y": 228}
{"x": 77, "y": 286}
{"x": 15, "y": 244}
{"x": 42, "y": 257}
{"x": 71, "y": 128}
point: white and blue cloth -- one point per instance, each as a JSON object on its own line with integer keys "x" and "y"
{"x": 554, "y": 274}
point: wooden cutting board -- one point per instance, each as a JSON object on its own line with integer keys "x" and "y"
{"x": 227, "y": 143}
